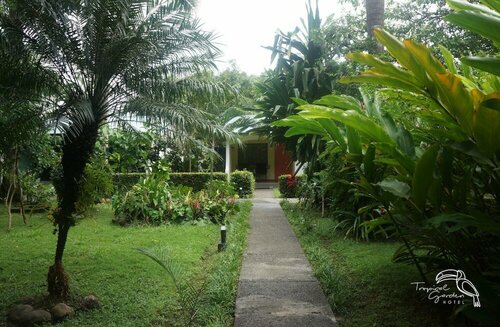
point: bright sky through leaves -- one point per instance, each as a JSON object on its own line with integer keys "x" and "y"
{"x": 245, "y": 26}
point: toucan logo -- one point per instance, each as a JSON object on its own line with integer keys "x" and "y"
{"x": 464, "y": 285}
{"x": 444, "y": 294}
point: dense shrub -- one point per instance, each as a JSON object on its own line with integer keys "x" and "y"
{"x": 154, "y": 200}
{"x": 38, "y": 195}
{"x": 125, "y": 181}
{"x": 97, "y": 184}
{"x": 197, "y": 181}
{"x": 289, "y": 185}
{"x": 243, "y": 182}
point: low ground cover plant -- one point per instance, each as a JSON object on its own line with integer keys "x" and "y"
{"x": 208, "y": 298}
{"x": 132, "y": 291}
{"x": 362, "y": 285}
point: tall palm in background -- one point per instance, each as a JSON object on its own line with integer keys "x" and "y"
{"x": 375, "y": 10}
{"x": 374, "y": 14}
{"x": 109, "y": 58}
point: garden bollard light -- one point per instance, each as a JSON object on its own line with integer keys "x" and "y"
{"x": 222, "y": 244}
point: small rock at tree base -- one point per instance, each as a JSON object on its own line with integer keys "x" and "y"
{"x": 39, "y": 316}
{"x": 91, "y": 302}
{"x": 61, "y": 311}
{"x": 18, "y": 312}
{"x": 23, "y": 315}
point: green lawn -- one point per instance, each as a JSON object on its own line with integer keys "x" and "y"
{"x": 362, "y": 284}
{"x": 101, "y": 259}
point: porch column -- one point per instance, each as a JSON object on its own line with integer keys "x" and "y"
{"x": 228, "y": 159}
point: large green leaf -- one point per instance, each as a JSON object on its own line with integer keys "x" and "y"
{"x": 466, "y": 5}
{"x": 333, "y": 131}
{"x": 300, "y": 126}
{"x": 487, "y": 128}
{"x": 398, "y": 133}
{"x": 456, "y": 99}
{"x": 383, "y": 68}
{"x": 487, "y": 64}
{"x": 377, "y": 79}
{"x": 349, "y": 118}
{"x": 484, "y": 24}
{"x": 398, "y": 188}
{"x": 423, "y": 176}
{"x": 448, "y": 58}
{"x": 457, "y": 221}
{"x": 427, "y": 63}
{"x": 353, "y": 141}
{"x": 398, "y": 50}
{"x": 404, "y": 161}
{"x": 494, "y": 4}
{"x": 339, "y": 101}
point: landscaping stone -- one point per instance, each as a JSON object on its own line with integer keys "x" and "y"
{"x": 18, "y": 312}
{"x": 277, "y": 286}
{"x": 91, "y": 302}
{"x": 23, "y": 315}
{"x": 61, "y": 310}
{"x": 39, "y": 316}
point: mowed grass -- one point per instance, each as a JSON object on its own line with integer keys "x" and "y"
{"x": 363, "y": 286}
{"x": 101, "y": 259}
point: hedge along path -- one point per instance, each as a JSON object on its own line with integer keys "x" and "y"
{"x": 242, "y": 180}
{"x": 277, "y": 286}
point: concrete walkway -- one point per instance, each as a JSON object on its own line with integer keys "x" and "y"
{"x": 277, "y": 286}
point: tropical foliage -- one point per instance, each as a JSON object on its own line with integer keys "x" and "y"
{"x": 300, "y": 73}
{"x": 153, "y": 200}
{"x": 419, "y": 160}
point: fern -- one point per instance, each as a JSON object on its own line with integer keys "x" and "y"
{"x": 189, "y": 293}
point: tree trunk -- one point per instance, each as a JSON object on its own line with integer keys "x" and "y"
{"x": 8, "y": 204}
{"x": 13, "y": 184}
{"x": 374, "y": 17}
{"x": 76, "y": 154}
{"x": 19, "y": 187}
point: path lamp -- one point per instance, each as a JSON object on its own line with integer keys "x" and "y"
{"x": 222, "y": 245}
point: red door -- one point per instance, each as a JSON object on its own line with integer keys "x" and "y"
{"x": 283, "y": 163}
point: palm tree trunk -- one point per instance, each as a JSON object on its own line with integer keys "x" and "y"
{"x": 75, "y": 156}
{"x": 374, "y": 17}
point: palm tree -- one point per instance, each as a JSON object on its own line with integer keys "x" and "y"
{"x": 300, "y": 73}
{"x": 109, "y": 57}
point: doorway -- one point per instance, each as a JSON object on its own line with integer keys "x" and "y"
{"x": 254, "y": 157}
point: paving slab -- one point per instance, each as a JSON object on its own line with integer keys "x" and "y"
{"x": 277, "y": 286}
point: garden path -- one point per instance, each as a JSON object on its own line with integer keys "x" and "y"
{"x": 277, "y": 286}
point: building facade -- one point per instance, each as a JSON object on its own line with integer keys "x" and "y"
{"x": 265, "y": 160}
